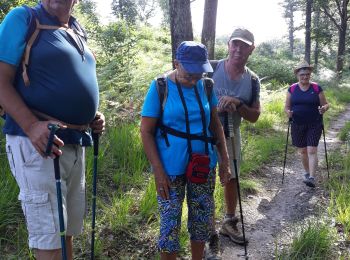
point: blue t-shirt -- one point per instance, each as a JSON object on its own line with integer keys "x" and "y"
{"x": 304, "y": 105}
{"x": 63, "y": 82}
{"x": 175, "y": 157}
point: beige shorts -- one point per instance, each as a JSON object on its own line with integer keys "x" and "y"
{"x": 36, "y": 180}
{"x": 237, "y": 144}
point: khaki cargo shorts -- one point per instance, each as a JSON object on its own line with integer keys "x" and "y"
{"x": 36, "y": 180}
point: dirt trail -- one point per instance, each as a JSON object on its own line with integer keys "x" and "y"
{"x": 271, "y": 214}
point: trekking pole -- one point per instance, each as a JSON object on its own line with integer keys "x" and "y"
{"x": 230, "y": 133}
{"x": 325, "y": 147}
{"x": 53, "y": 128}
{"x": 95, "y": 138}
{"x": 285, "y": 150}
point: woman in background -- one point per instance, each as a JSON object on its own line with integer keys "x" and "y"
{"x": 305, "y": 106}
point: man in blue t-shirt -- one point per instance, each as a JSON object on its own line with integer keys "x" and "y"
{"x": 57, "y": 85}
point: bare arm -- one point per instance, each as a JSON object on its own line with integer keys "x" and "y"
{"x": 148, "y": 128}
{"x": 323, "y": 102}
{"x": 250, "y": 114}
{"x": 217, "y": 130}
{"x": 13, "y": 104}
{"x": 232, "y": 104}
{"x": 288, "y": 106}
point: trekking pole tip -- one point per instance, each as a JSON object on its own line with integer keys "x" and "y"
{"x": 245, "y": 256}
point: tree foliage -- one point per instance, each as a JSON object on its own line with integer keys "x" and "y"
{"x": 308, "y": 12}
{"x": 338, "y": 13}
{"x": 133, "y": 11}
{"x": 290, "y": 7}
{"x": 6, "y": 5}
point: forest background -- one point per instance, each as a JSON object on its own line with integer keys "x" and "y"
{"x": 130, "y": 53}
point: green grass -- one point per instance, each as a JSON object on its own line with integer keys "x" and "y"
{"x": 338, "y": 185}
{"x": 313, "y": 241}
{"x": 126, "y": 199}
{"x": 258, "y": 150}
{"x": 344, "y": 134}
{"x": 117, "y": 216}
{"x": 148, "y": 203}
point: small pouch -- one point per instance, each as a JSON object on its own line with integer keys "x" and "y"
{"x": 198, "y": 168}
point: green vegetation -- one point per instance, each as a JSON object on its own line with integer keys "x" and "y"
{"x": 313, "y": 241}
{"x": 129, "y": 56}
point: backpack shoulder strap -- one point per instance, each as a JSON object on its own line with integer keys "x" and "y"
{"x": 254, "y": 82}
{"x": 208, "y": 86}
{"x": 292, "y": 87}
{"x": 162, "y": 90}
{"x": 315, "y": 87}
{"x": 32, "y": 21}
{"x": 214, "y": 64}
{"x": 78, "y": 29}
{"x": 32, "y": 34}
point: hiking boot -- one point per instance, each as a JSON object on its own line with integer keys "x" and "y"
{"x": 212, "y": 248}
{"x": 229, "y": 229}
{"x": 306, "y": 177}
{"x": 310, "y": 182}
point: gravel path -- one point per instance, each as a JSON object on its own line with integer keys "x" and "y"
{"x": 272, "y": 214}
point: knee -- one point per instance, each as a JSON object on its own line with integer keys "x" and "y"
{"x": 303, "y": 151}
{"x": 312, "y": 151}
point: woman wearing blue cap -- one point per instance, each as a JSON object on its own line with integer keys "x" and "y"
{"x": 177, "y": 134}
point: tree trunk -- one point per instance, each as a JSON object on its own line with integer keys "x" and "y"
{"x": 316, "y": 25}
{"x": 316, "y": 55}
{"x": 342, "y": 37}
{"x": 180, "y": 23}
{"x": 342, "y": 12}
{"x": 291, "y": 31}
{"x": 209, "y": 26}
{"x": 307, "y": 56}
{"x": 341, "y": 48}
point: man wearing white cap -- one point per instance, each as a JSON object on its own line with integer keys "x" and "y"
{"x": 237, "y": 89}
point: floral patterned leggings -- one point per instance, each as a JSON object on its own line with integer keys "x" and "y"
{"x": 200, "y": 203}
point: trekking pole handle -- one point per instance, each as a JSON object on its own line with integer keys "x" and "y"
{"x": 53, "y": 128}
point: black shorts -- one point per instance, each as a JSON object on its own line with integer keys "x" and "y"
{"x": 306, "y": 135}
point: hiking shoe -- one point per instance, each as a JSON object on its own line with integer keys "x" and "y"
{"x": 310, "y": 182}
{"x": 212, "y": 248}
{"x": 306, "y": 177}
{"x": 229, "y": 229}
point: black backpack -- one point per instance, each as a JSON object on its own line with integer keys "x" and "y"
{"x": 162, "y": 90}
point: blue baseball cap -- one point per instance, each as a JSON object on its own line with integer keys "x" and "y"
{"x": 193, "y": 57}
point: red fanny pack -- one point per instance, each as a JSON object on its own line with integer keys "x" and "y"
{"x": 198, "y": 168}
